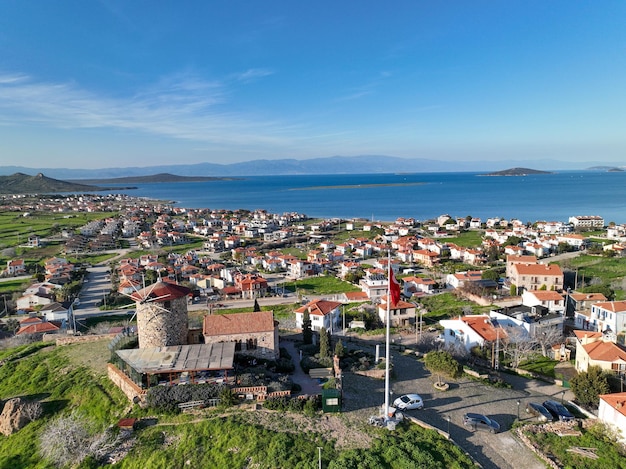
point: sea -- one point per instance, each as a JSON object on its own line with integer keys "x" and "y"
{"x": 385, "y": 197}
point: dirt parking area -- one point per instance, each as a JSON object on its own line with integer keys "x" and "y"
{"x": 444, "y": 409}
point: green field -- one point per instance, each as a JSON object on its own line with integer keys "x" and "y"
{"x": 323, "y": 285}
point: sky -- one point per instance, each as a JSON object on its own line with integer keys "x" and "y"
{"x": 99, "y": 84}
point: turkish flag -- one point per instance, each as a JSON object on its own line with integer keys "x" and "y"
{"x": 394, "y": 287}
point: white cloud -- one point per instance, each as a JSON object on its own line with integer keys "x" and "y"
{"x": 253, "y": 74}
{"x": 182, "y": 106}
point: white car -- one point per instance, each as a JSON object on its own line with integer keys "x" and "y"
{"x": 409, "y": 402}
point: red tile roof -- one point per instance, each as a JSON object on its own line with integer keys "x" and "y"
{"x": 238, "y": 323}
{"x": 161, "y": 291}
{"x": 319, "y": 307}
{"x": 481, "y": 324}
{"x": 605, "y": 352}
{"x": 613, "y": 306}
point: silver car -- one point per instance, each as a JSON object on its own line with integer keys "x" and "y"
{"x": 409, "y": 402}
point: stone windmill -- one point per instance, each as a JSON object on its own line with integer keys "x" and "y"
{"x": 162, "y": 314}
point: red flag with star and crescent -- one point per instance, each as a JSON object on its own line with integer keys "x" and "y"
{"x": 394, "y": 288}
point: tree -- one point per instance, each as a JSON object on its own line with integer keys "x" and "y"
{"x": 339, "y": 349}
{"x": 547, "y": 338}
{"x": 517, "y": 345}
{"x": 589, "y": 385}
{"x": 442, "y": 363}
{"x": 257, "y": 308}
{"x": 324, "y": 344}
{"x": 307, "y": 334}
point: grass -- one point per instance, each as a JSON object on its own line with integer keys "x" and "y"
{"x": 447, "y": 305}
{"x": 72, "y": 378}
{"x": 605, "y": 268}
{"x": 467, "y": 239}
{"x": 323, "y": 285}
{"x": 62, "y": 385}
{"x": 540, "y": 365}
{"x": 11, "y": 286}
{"x": 15, "y": 228}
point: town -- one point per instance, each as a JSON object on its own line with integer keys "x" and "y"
{"x": 205, "y": 294}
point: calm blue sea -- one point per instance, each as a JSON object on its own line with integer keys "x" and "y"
{"x": 550, "y": 197}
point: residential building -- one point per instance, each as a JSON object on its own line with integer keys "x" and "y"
{"x": 537, "y": 277}
{"x": 587, "y": 221}
{"x": 471, "y": 331}
{"x": 596, "y": 349}
{"x": 322, "y": 313}
{"x": 552, "y": 300}
{"x": 400, "y": 315}
{"x": 608, "y": 316}
{"x": 612, "y": 412}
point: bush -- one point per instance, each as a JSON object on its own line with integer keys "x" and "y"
{"x": 167, "y": 398}
{"x": 286, "y": 404}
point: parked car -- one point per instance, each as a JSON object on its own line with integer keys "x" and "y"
{"x": 540, "y": 412}
{"x": 480, "y": 422}
{"x": 409, "y": 402}
{"x": 558, "y": 410}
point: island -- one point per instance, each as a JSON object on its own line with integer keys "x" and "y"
{"x": 517, "y": 172}
{"x": 154, "y": 178}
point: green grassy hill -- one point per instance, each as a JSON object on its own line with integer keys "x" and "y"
{"x": 71, "y": 381}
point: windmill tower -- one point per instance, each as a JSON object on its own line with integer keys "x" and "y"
{"x": 161, "y": 314}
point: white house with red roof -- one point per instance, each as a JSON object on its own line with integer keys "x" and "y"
{"x": 612, "y": 411}
{"x": 471, "y": 331}
{"x": 36, "y": 325}
{"x": 597, "y": 349}
{"x": 459, "y": 279}
{"x": 552, "y": 300}
{"x": 416, "y": 285}
{"x": 608, "y": 316}
{"x": 15, "y": 267}
{"x": 323, "y": 313}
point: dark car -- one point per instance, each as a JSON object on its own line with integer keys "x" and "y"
{"x": 480, "y": 422}
{"x": 558, "y": 410}
{"x": 540, "y": 412}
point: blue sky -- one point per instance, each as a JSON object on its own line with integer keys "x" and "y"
{"x": 90, "y": 84}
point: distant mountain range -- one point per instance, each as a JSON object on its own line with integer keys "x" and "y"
{"x": 332, "y": 165}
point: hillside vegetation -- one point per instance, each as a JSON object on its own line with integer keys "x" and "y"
{"x": 71, "y": 383}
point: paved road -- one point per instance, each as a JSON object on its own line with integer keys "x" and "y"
{"x": 364, "y": 396}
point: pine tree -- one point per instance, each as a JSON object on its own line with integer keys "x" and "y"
{"x": 324, "y": 344}
{"x": 307, "y": 334}
{"x": 339, "y": 349}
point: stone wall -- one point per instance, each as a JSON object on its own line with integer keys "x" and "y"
{"x": 130, "y": 389}
{"x": 160, "y": 324}
{"x": 266, "y": 346}
{"x": 79, "y": 339}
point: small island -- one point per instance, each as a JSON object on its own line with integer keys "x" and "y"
{"x": 517, "y": 172}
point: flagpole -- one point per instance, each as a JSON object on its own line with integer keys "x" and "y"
{"x": 388, "y": 353}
